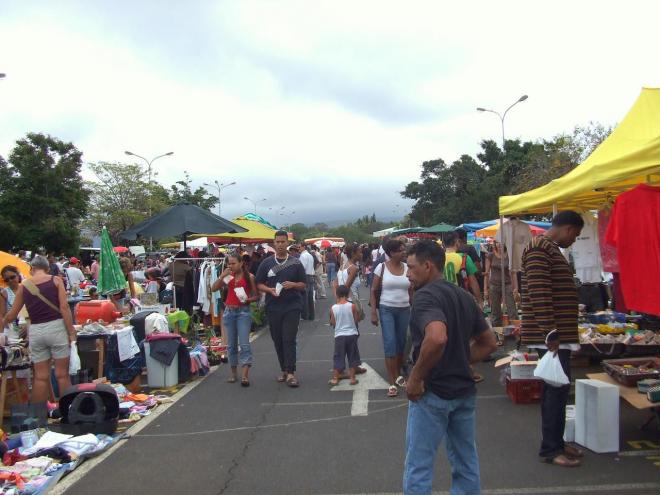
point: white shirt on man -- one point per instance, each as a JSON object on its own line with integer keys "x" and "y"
{"x": 307, "y": 261}
{"x": 75, "y": 276}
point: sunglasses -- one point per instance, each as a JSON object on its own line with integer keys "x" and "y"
{"x": 9, "y": 279}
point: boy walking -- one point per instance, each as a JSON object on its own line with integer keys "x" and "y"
{"x": 343, "y": 318}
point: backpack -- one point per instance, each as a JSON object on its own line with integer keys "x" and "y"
{"x": 459, "y": 278}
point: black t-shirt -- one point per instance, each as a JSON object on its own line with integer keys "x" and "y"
{"x": 289, "y": 300}
{"x": 451, "y": 377}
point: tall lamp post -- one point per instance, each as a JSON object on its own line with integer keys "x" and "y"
{"x": 220, "y": 186}
{"x": 502, "y": 116}
{"x": 254, "y": 203}
{"x": 149, "y": 169}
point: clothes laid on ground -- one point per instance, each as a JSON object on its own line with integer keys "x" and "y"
{"x": 586, "y": 252}
{"x": 394, "y": 288}
{"x": 515, "y": 235}
{"x": 549, "y": 294}
{"x": 442, "y": 301}
{"x": 634, "y": 230}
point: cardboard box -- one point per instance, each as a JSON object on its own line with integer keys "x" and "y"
{"x": 523, "y": 370}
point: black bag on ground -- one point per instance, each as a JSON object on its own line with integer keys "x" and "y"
{"x": 89, "y": 408}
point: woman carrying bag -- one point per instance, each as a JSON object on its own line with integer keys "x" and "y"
{"x": 51, "y": 333}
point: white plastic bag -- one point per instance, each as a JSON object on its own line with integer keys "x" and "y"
{"x": 74, "y": 360}
{"x": 550, "y": 371}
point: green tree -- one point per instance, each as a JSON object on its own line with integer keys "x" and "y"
{"x": 181, "y": 192}
{"x": 42, "y": 195}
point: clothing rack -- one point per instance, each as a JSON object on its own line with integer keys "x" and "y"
{"x": 223, "y": 259}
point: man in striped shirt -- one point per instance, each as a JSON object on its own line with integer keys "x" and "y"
{"x": 550, "y": 321}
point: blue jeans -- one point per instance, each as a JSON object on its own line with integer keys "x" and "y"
{"x": 430, "y": 421}
{"x": 394, "y": 324}
{"x": 331, "y": 268}
{"x": 238, "y": 323}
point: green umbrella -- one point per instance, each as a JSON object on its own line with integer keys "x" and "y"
{"x": 440, "y": 228}
{"x": 111, "y": 278}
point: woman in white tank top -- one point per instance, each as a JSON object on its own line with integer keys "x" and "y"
{"x": 392, "y": 308}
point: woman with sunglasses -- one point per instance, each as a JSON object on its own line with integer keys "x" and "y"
{"x": 12, "y": 279}
{"x": 51, "y": 326}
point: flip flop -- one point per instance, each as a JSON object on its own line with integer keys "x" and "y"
{"x": 293, "y": 382}
{"x": 360, "y": 370}
{"x": 477, "y": 378}
{"x": 571, "y": 451}
{"x": 281, "y": 378}
{"x": 562, "y": 461}
{"x": 401, "y": 382}
{"x": 245, "y": 382}
{"x": 392, "y": 391}
{"x": 231, "y": 379}
{"x": 333, "y": 382}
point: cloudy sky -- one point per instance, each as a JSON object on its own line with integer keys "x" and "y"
{"x": 325, "y": 107}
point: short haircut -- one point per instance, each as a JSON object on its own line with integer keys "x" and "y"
{"x": 40, "y": 263}
{"x": 281, "y": 233}
{"x": 342, "y": 291}
{"x": 392, "y": 245}
{"x": 426, "y": 250}
{"x": 568, "y": 218}
{"x": 450, "y": 239}
{"x": 461, "y": 233}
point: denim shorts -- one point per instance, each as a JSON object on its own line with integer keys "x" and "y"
{"x": 394, "y": 325}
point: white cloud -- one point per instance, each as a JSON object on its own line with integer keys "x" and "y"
{"x": 293, "y": 98}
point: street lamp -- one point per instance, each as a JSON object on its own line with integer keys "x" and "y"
{"x": 502, "y": 116}
{"x": 149, "y": 162}
{"x": 220, "y": 187}
{"x": 254, "y": 203}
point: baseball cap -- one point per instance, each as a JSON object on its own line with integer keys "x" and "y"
{"x": 74, "y": 260}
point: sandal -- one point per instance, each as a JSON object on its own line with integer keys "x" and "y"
{"x": 231, "y": 379}
{"x": 392, "y": 391}
{"x": 359, "y": 370}
{"x": 333, "y": 382}
{"x": 401, "y": 382}
{"x": 562, "y": 461}
{"x": 293, "y": 382}
{"x": 281, "y": 378}
{"x": 245, "y": 382}
{"x": 571, "y": 451}
{"x": 477, "y": 378}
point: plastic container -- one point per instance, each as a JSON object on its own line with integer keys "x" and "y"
{"x": 158, "y": 374}
{"x": 524, "y": 391}
{"x": 96, "y": 311}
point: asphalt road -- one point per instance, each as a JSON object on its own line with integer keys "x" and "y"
{"x": 270, "y": 439}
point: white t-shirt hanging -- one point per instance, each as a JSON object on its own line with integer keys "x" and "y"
{"x": 515, "y": 235}
{"x": 586, "y": 252}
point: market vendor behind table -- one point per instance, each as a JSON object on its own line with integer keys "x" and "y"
{"x": 51, "y": 326}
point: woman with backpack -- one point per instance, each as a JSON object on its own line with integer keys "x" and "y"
{"x": 391, "y": 297}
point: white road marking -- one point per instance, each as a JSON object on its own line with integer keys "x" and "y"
{"x": 639, "y": 453}
{"x": 330, "y": 403}
{"x": 370, "y": 380}
{"x": 541, "y": 490}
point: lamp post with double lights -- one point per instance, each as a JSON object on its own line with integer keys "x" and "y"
{"x": 219, "y": 186}
{"x": 254, "y": 203}
{"x": 149, "y": 172}
{"x": 502, "y": 116}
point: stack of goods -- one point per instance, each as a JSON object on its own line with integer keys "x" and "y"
{"x": 644, "y": 343}
{"x": 521, "y": 384}
{"x": 632, "y": 370}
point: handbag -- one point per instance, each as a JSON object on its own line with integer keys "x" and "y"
{"x": 360, "y": 309}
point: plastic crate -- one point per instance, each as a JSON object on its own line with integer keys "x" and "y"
{"x": 524, "y": 391}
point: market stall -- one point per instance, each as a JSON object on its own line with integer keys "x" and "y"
{"x": 616, "y": 191}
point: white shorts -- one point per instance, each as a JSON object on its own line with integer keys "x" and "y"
{"x": 49, "y": 340}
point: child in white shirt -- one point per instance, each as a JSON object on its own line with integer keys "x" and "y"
{"x": 343, "y": 318}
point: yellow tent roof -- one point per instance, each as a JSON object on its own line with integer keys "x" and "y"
{"x": 629, "y": 156}
{"x": 256, "y": 232}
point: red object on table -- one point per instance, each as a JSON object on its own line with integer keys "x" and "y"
{"x": 120, "y": 249}
{"x": 95, "y": 311}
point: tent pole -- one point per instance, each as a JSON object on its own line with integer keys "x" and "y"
{"x": 503, "y": 298}
{"x": 185, "y": 243}
{"x": 554, "y": 209}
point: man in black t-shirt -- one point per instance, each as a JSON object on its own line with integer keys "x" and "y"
{"x": 282, "y": 278}
{"x": 445, "y": 320}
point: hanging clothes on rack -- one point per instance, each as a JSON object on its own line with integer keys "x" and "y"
{"x": 515, "y": 235}
{"x": 634, "y": 230}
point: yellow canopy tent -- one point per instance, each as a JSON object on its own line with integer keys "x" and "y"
{"x": 256, "y": 232}
{"x": 628, "y": 157}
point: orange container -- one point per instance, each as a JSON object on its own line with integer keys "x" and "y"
{"x": 95, "y": 311}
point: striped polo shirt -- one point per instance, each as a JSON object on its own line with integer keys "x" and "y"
{"x": 549, "y": 294}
